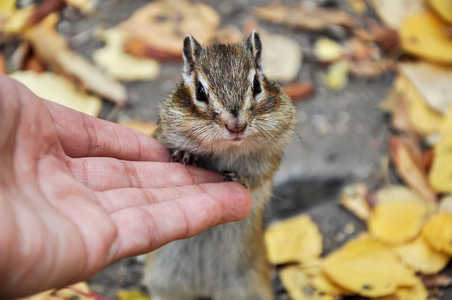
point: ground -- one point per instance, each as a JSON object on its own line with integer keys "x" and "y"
{"x": 342, "y": 136}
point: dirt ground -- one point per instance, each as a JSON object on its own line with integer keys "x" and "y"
{"x": 314, "y": 169}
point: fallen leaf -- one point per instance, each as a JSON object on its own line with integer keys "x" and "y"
{"x": 336, "y": 77}
{"x": 148, "y": 128}
{"x": 440, "y": 176}
{"x": 85, "y": 6}
{"x": 132, "y": 295}
{"x": 7, "y": 7}
{"x": 445, "y": 204}
{"x": 58, "y": 89}
{"x": 44, "y": 9}
{"x": 298, "y": 91}
{"x": 229, "y": 35}
{"x": 17, "y": 22}
{"x": 398, "y": 193}
{"x": 414, "y": 292}
{"x": 353, "y": 198}
{"x": 311, "y": 18}
{"x": 52, "y": 49}
{"x": 121, "y": 65}
{"x": 2, "y": 64}
{"x": 293, "y": 240}
{"x": 422, "y": 118}
{"x": 276, "y": 66}
{"x": 394, "y": 13}
{"x": 436, "y": 280}
{"x": 422, "y": 35}
{"x": 397, "y": 222}
{"x": 421, "y": 257}
{"x": 438, "y": 232}
{"x": 442, "y": 8}
{"x": 409, "y": 168}
{"x": 327, "y": 50}
{"x": 161, "y": 26}
{"x": 432, "y": 82}
{"x": 299, "y": 286}
{"x": 368, "y": 268}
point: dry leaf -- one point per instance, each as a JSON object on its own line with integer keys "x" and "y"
{"x": 16, "y": 23}
{"x": 44, "y": 9}
{"x": 336, "y": 77}
{"x": 298, "y": 285}
{"x": 394, "y": 13}
{"x": 438, "y": 232}
{"x": 85, "y": 6}
{"x": 423, "y": 35}
{"x": 440, "y": 176}
{"x": 397, "y": 222}
{"x": 2, "y": 64}
{"x": 52, "y": 48}
{"x": 327, "y": 50}
{"x": 132, "y": 295}
{"x": 276, "y": 66}
{"x": 419, "y": 256}
{"x": 423, "y": 119}
{"x": 442, "y": 8}
{"x": 293, "y": 240}
{"x": 300, "y": 90}
{"x": 161, "y": 26}
{"x": 353, "y": 198}
{"x": 121, "y": 65}
{"x": 415, "y": 292}
{"x": 368, "y": 268}
{"x": 445, "y": 204}
{"x": 58, "y": 89}
{"x": 432, "y": 82}
{"x": 398, "y": 193}
{"x": 148, "y": 128}
{"x": 312, "y": 18}
{"x": 229, "y": 35}
{"x": 436, "y": 280}
{"x": 409, "y": 168}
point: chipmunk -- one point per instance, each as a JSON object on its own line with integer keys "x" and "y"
{"x": 225, "y": 116}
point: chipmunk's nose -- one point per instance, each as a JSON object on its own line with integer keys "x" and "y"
{"x": 236, "y": 127}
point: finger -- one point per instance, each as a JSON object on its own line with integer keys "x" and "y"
{"x": 102, "y": 174}
{"x": 145, "y": 228}
{"x": 115, "y": 200}
{"x": 82, "y": 135}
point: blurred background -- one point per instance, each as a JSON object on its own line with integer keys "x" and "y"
{"x": 371, "y": 80}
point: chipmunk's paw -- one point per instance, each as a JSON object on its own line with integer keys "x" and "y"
{"x": 236, "y": 177}
{"x": 184, "y": 158}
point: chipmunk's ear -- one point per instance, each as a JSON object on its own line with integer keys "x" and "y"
{"x": 254, "y": 45}
{"x": 190, "y": 53}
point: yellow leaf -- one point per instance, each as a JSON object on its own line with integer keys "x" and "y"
{"x": 418, "y": 255}
{"x": 327, "y": 50}
{"x": 443, "y": 8}
{"x": 393, "y": 13}
{"x": 298, "y": 285}
{"x": 119, "y": 64}
{"x": 58, "y": 89}
{"x": 440, "y": 176}
{"x": 7, "y": 7}
{"x": 398, "y": 193}
{"x": 423, "y": 119}
{"x": 131, "y": 295}
{"x": 354, "y": 199}
{"x": 368, "y": 268}
{"x": 16, "y": 23}
{"x": 397, "y": 222}
{"x": 293, "y": 240}
{"x": 337, "y": 75}
{"x": 415, "y": 292}
{"x": 422, "y": 34}
{"x": 438, "y": 233}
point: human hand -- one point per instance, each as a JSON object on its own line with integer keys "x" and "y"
{"x": 77, "y": 193}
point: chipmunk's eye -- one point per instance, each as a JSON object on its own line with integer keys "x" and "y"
{"x": 256, "y": 86}
{"x": 201, "y": 93}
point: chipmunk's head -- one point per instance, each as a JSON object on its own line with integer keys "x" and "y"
{"x": 226, "y": 101}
